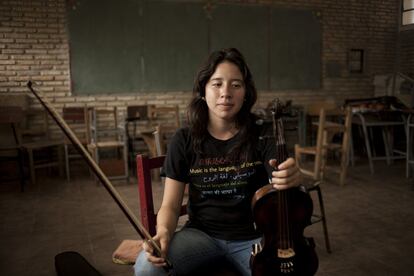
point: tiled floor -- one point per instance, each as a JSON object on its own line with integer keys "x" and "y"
{"x": 371, "y": 222}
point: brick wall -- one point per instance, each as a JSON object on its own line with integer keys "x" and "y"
{"x": 34, "y": 45}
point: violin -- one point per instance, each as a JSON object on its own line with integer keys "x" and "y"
{"x": 281, "y": 216}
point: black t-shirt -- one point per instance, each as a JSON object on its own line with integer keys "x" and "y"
{"x": 220, "y": 187}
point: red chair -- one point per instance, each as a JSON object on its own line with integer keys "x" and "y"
{"x": 144, "y": 166}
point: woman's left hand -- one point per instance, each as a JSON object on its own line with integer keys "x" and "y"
{"x": 287, "y": 174}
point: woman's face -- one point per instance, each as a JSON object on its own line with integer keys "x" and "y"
{"x": 225, "y": 92}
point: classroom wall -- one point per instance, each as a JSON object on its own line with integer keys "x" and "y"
{"x": 406, "y": 63}
{"x": 34, "y": 46}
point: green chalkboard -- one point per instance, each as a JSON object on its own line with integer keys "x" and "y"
{"x": 105, "y": 46}
{"x": 175, "y": 43}
{"x": 134, "y": 46}
{"x": 246, "y": 28}
{"x": 295, "y": 43}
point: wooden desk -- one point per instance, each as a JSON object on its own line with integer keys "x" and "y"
{"x": 386, "y": 120}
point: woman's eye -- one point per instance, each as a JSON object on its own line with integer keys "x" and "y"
{"x": 237, "y": 85}
{"x": 216, "y": 84}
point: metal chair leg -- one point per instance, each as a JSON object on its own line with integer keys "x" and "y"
{"x": 323, "y": 218}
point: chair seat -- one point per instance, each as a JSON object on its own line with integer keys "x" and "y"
{"x": 41, "y": 144}
{"x": 83, "y": 141}
{"x": 307, "y": 150}
{"x": 333, "y": 146}
{"x": 108, "y": 144}
{"x": 8, "y": 149}
{"x": 309, "y": 184}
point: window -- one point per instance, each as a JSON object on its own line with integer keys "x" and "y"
{"x": 407, "y": 13}
{"x": 356, "y": 61}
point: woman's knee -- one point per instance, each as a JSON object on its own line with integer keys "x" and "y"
{"x": 190, "y": 242}
{"x": 144, "y": 267}
{"x": 189, "y": 249}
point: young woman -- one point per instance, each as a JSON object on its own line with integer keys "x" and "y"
{"x": 223, "y": 160}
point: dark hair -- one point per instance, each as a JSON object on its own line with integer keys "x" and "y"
{"x": 198, "y": 109}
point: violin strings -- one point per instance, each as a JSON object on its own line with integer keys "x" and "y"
{"x": 284, "y": 225}
{"x": 284, "y": 154}
{"x": 279, "y": 196}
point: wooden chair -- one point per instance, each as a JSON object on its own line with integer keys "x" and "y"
{"x": 77, "y": 119}
{"x": 164, "y": 113}
{"x": 314, "y": 175}
{"x": 159, "y": 143}
{"x": 107, "y": 136}
{"x": 342, "y": 147}
{"x": 10, "y": 149}
{"x": 326, "y": 130}
{"x": 310, "y": 115}
{"x": 316, "y": 151}
{"x": 136, "y": 118}
{"x": 43, "y": 150}
{"x": 163, "y": 125}
{"x": 148, "y": 214}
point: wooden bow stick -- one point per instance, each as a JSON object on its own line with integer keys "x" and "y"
{"x": 98, "y": 172}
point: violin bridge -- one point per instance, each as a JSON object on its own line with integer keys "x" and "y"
{"x": 285, "y": 253}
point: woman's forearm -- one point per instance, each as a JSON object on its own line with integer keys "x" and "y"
{"x": 167, "y": 220}
{"x": 171, "y": 206}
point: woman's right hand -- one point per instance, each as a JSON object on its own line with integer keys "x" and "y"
{"x": 162, "y": 238}
{"x": 167, "y": 218}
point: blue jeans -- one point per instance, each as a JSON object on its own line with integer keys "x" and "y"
{"x": 191, "y": 248}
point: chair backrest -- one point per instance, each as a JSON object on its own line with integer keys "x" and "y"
{"x": 344, "y": 146}
{"x": 344, "y": 128}
{"x": 159, "y": 143}
{"x": 159, "y": 114}
{"x": 317, "y": 151}
{"x": 163, "y": 127}
{"x": 77, "y": 119}
{"x": 326, "y": 130}
{"x": 10, "y": 117}
{"x": 137, "y": 112}
{"x": 34, "y": 126}
{"x": 346, "y": 141}
{"x": 136, "y": 117}
{"x": 103, "y": 125}
{"x": 146, "y": 201}
{"x": 314, "y": 109}
{"x": 320, "y": 139}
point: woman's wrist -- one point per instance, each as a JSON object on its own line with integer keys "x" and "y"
{"x": 162, "y": 231}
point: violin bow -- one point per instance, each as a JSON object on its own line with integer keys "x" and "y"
{"x": 98, "y": 172}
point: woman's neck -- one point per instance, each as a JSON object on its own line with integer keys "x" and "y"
{"x": 222, "y": 130}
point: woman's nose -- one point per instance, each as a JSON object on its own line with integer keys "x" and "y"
{"x": 225, "y": 92}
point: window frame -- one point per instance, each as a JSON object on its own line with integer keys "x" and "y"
{"x": 400, "y": 19}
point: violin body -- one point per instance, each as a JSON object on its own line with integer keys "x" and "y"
{"x": 274, "y": 255}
